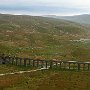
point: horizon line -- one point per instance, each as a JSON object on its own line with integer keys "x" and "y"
{"x": 42, "y": 14}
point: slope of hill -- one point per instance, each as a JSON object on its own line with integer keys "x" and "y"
{"x": 83, "y": 19}
{"x": 41, "y": 37}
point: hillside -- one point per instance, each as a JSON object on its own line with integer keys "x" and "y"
{"x": 83, "y": 19}
{"x": 44, "y": 38}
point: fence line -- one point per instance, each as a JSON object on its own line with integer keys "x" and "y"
{"x": 65, "y": 65}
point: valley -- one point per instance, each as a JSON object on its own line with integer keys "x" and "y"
{"x": 43, "y": 38}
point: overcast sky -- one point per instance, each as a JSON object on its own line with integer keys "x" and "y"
{"x": 45, "y": 7}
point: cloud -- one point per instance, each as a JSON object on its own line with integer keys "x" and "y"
{"x": 48, "y": 2}
{"x": 45, "y": 6}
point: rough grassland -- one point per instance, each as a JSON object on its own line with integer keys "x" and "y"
{"x": 46, "y": 80}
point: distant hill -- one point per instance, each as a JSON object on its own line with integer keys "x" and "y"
{"x": 84, "y": 19}
{"x": 42, "y": 37}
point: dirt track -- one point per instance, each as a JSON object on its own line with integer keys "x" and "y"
{"x": 20, "y": 72}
